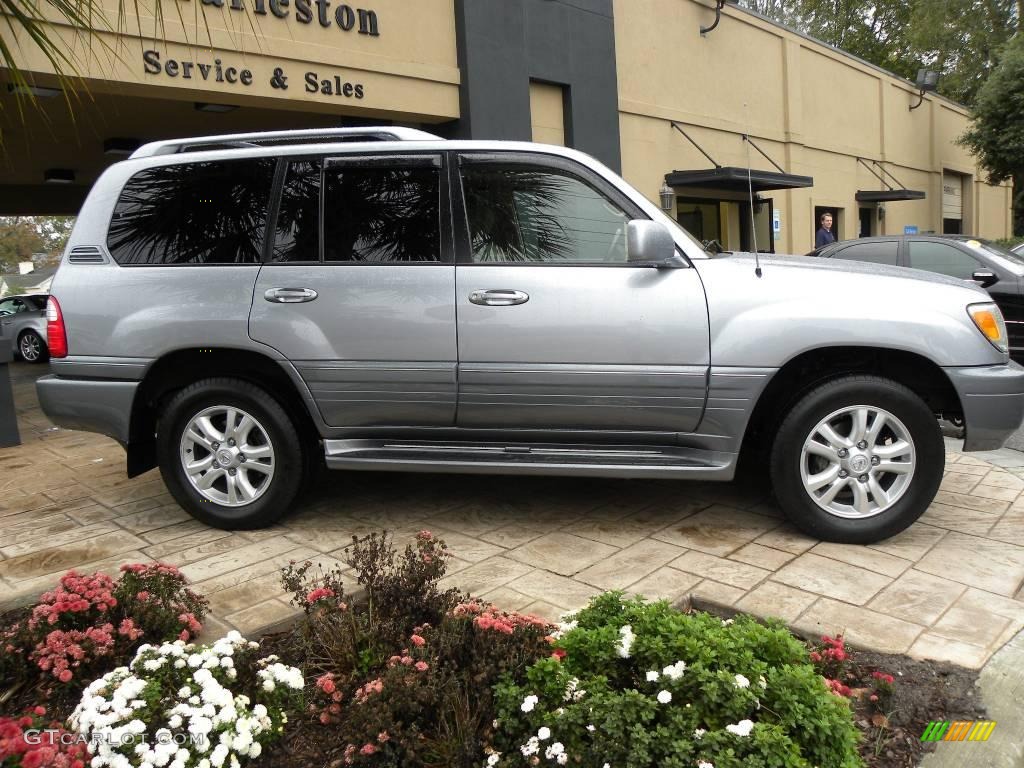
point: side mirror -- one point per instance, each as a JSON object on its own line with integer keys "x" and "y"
{"x": 649, "y": 244}
{"x": 985, "y": 278}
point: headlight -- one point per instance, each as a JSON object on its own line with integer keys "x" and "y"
{"x": 990, "y": 322}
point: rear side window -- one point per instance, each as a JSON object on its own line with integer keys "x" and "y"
{"x": 297, "y": 231}
{"x": 381, "y": 213}
{"x": 879, "y": 252}
{"x": 193, "y": 214}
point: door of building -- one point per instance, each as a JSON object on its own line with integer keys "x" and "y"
{"x": 952, "y": 203}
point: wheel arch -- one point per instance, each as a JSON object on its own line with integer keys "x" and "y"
{"x": 814, "y": 367}
{"x": 176, "y": 370}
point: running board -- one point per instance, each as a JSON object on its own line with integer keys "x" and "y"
{"x": 623, "y": 461}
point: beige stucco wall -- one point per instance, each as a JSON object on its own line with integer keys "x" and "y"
{"x": 547, "y": 113}
{"x": 814, "y": 110}
{"x": 409, "y": 71}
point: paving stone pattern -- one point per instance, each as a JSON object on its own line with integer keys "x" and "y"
{"x": 948, "y": 588}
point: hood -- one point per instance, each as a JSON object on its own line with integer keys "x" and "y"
{"x": 774, "y": 261}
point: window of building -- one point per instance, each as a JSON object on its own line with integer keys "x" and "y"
{"x": 875, "y": 252}
{"x": 297, "y": 230}
{"x": 942, "y": 258}
{"x": 382, "y": 213}
{"x": 531, "y": 214}
{"x": 193, "y": 214}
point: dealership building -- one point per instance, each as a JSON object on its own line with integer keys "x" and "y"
{"x": 700, "y": 108}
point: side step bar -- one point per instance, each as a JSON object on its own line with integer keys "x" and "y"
{"x": 623, "y": 461}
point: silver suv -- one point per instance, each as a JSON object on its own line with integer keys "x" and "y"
{"x": 242, "y": 309}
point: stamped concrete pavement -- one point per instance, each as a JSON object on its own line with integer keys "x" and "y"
{"x": 948, "y": 588}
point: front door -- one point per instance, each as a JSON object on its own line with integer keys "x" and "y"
{"x": 556, "y": 330}
{"x": 358, "y": 289}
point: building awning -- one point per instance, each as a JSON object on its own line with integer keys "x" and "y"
{"x": 733, "y": 179}
{"x": 889, "y": 195}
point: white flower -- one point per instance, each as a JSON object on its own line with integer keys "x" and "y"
{"x": 179, "y": 664}
{"x": 726, "y": 622}
{"x": 626, "y": 638}
{"x": 742, "y": 728}
{"x": 529, "y": 703}
{"x": 591, "y": 728}
{"x": 530, "y": 747}
{"x": 664, "y": 697}
{"x": 493, "y": 758}
{"x": 562, "y": 759}
{"x": 674, "y": 671}
{"x": 554, "y": 750}
{"x": 268, "y": 685}
{"x": 544, "y": 733}
{"x": 742, "y": 682}
{"x": 704, "y": 764}
{"x": 762, "y": 682}
{"x": 699, "y": 734}
{"x": 652, "y": 676}
{"x": 255, "y": 749}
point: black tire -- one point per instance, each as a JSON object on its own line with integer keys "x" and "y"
{"x": 816, "y": 405}
{"x": 44, "y": 352}
{"x": 280, "y": 432}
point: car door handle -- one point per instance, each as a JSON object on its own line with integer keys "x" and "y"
{"x": 498, "y": 298}
{"x": 290, "y": 295}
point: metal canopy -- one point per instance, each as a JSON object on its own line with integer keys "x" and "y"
{"x": 736, "y": 179}
{"x": 889, "y": 195}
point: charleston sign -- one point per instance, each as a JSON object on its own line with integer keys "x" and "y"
{"x": 344, "y": 17}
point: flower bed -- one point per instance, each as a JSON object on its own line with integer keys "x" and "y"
{"x": 404, "y": 673}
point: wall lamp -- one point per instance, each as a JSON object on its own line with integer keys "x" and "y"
{"x": 927, "y": 82}
{"x": 719, "y": 5}
{"x": 668, "y": 197}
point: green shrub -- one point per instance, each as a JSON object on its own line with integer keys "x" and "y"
{"x": 642, "y": 684}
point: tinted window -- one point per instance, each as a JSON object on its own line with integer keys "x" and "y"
{"x": 193, "y": 213}
{"x": 524, "y": 214}
{"x": 942, "y": 258}
{"x": 297, "y": 233}
{"x": 11, "y": 306}
{"x": 880, "y": 252}
{"x": 382, "y": 214}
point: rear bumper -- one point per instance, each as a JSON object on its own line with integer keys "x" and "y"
{"x": 92, "y": 405}
{"x": 992, "y": 397}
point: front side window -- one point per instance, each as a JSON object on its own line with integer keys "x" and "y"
{"x": 878, "y": 252}
{"x": 526, "y": 214}
{"x": 942, "y": 258}
{"x": 193, "y": 214}
{"x": 375, "y": 213}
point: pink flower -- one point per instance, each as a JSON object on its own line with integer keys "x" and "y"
{"x": 319, "y": 594}
{"x": 325, "y": 718}
{"x": 418, "y": 641}
{"x": 422, "y": 666}
{"x": 143, "y": 595}
{"x": 65, "y": 676}
{"x": 383, "y": 737}
{"x": 425, "y": 535}
{"x": 368, "y": 749}
{"x": 184, "y": 635}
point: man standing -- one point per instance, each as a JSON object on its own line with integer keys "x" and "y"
{"x": 824, "y": 236}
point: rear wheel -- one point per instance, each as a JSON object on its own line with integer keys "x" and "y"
{"x": 857, "y": 460}
{"x": 31, "y": 347}
{"x": 229, "y": 454}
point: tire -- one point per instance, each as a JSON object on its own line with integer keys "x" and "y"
{"x": 867, "y": 503}
{"x": 32, "y": 347}
{"x": 265, "y": 465}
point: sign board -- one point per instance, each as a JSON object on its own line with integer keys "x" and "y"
{"x": 777, "y": 224}
{"x": 910, "y": 229}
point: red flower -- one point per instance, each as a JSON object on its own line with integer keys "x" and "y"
{"x": 558, "y": 653}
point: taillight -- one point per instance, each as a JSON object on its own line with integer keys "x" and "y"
{"x": 56, "y": 336}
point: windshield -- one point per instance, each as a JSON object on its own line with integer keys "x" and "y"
{"x": 689, "y": 237}
{"x": 1006, "y": 259}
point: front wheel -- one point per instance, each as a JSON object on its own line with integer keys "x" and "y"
{"x": 31, "y": 347}
{"x": 857, "y": 460}
{"x": 229, "y": 454}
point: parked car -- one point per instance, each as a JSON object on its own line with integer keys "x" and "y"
{"x": 1018, "y": 249}
{"x": 240, "y": 309}
{"x": 997, "y": 270}
{"x": 23, "y": 319}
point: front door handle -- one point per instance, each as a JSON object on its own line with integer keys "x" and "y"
{"x": 290, "y": 295}
{"x": 499, "y": 298}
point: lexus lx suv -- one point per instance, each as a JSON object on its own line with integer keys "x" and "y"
{"x": 240, "y": 310}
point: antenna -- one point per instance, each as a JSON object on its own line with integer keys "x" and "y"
{"x": 750, "y": 192}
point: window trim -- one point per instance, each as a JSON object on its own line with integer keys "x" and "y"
{"x": 260, "y": 251}
{"x": 460, "y": 213}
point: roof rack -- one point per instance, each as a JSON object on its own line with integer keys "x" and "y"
{"x": 248, "y": 140}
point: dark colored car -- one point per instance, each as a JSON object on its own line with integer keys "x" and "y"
{"x": 997, "y": 270}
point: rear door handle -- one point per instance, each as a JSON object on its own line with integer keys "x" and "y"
{"x": 499, "y": 297}
{"x": 290, "y": 295}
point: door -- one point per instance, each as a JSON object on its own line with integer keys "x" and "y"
{"x": 556, "y": 330}
{"x": 358, "y": 289}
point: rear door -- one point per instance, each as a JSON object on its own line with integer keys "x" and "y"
{"x": 358, "y": 289}
{"x": 556, "y": 330}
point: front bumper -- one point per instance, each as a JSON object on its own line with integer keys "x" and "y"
{"x": 92, "y": 405}
{"x": 992, "y": 397}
